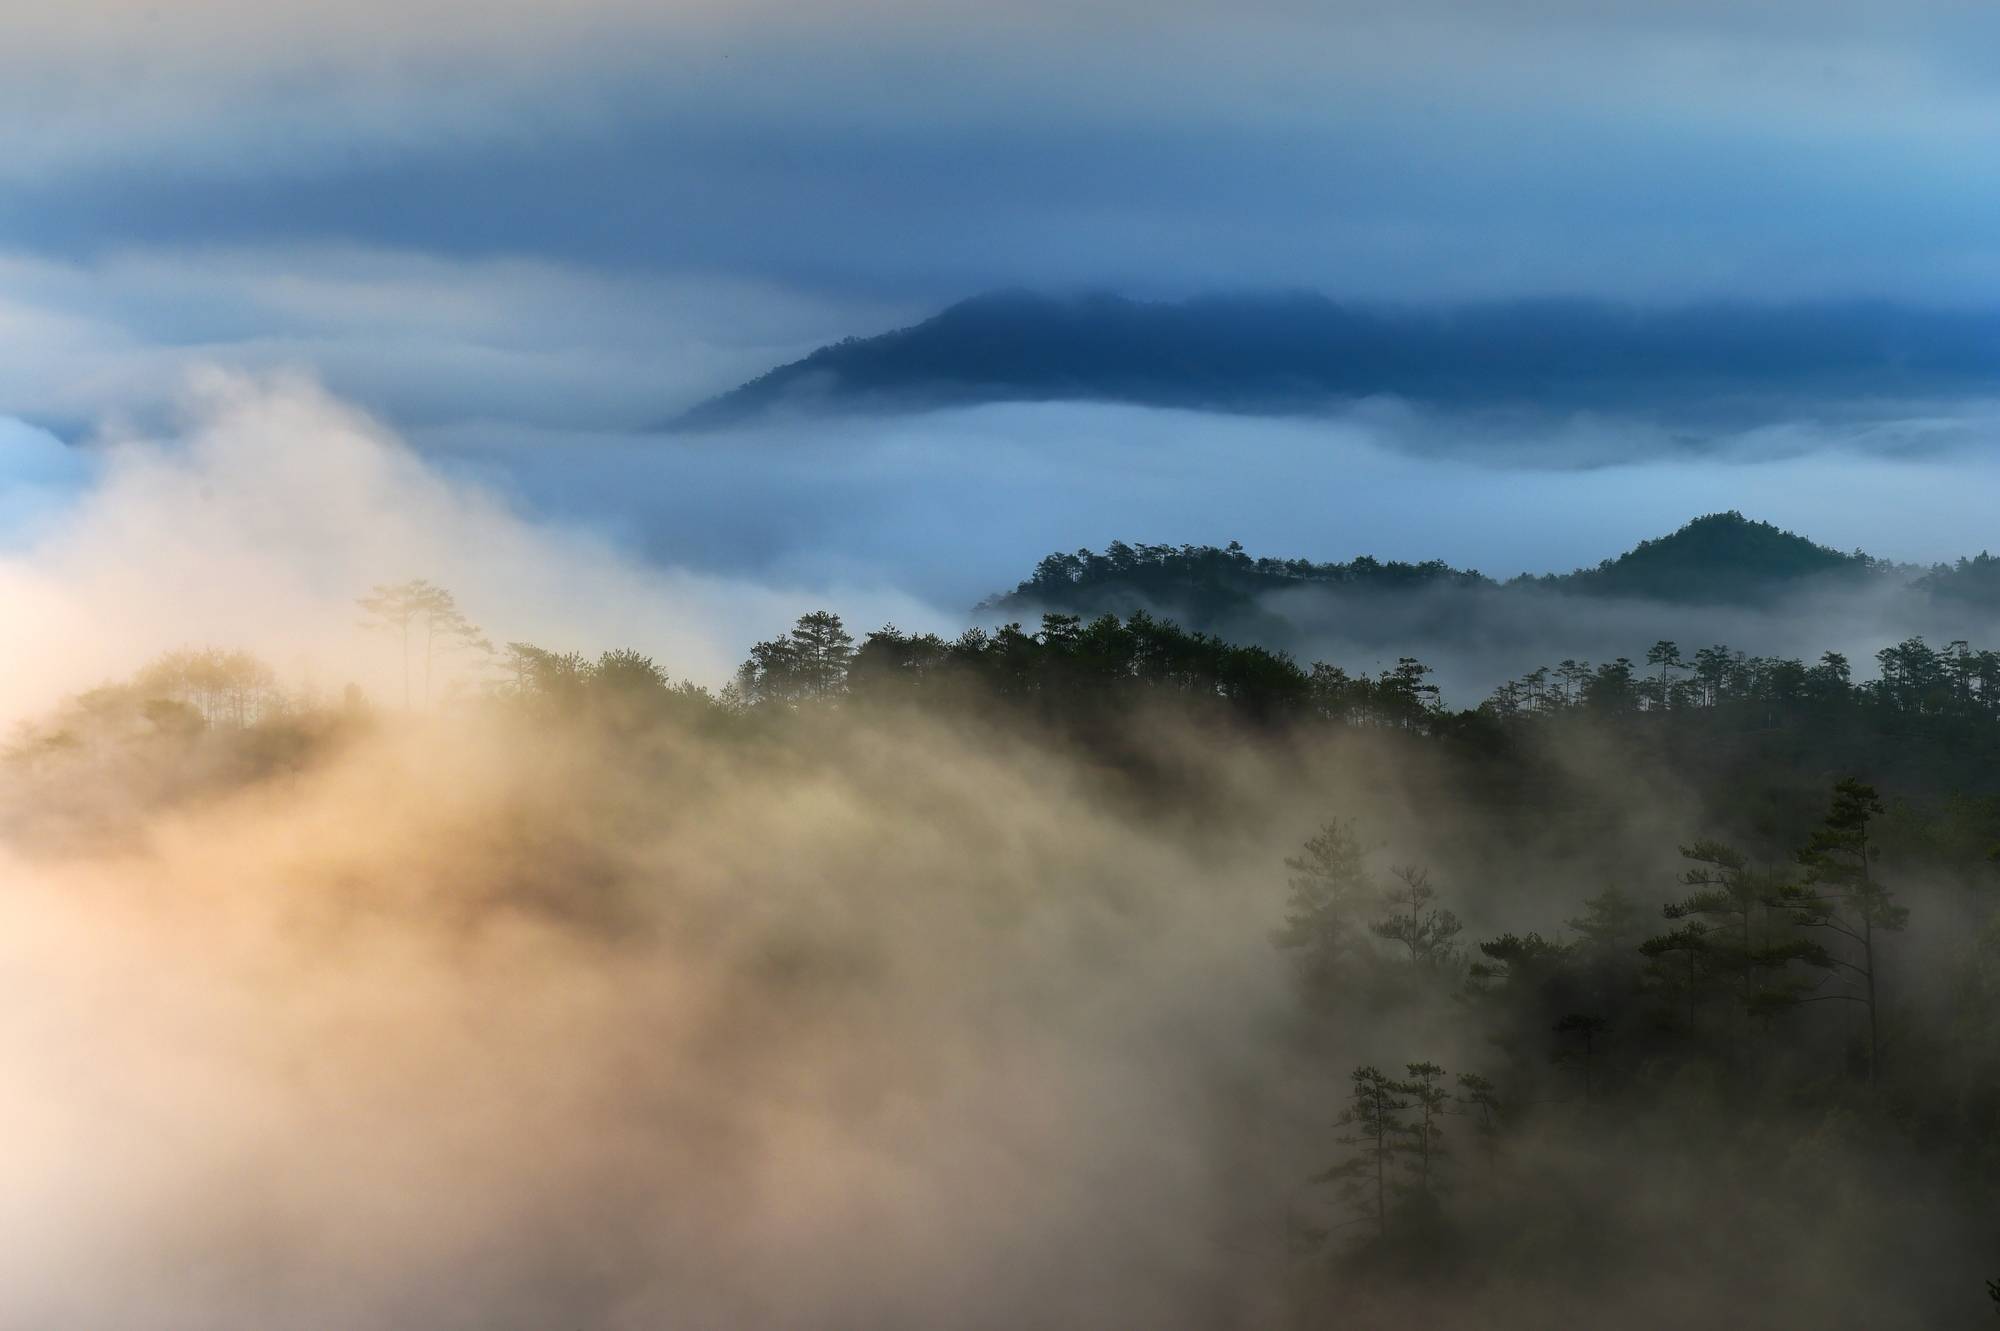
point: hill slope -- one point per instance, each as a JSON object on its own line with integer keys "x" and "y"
{"x": 1721, "y": 558}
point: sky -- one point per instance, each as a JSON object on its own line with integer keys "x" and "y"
{"x": 519, "y": 232}
{"x": 592, "y": 213}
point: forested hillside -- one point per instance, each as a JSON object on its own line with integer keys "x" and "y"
{"x": 1722, "y": 578}
{"x": 1723, "y": 558}
{"x": 1706, "y": 929}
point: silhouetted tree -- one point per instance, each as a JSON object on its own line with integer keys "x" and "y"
{"x": 1426, "y": 931}
{"x": 822, "y": 649}
{"x": 1611, "y": 922}
{"x": 1374, "y": 1115}
{"x": 426, "y": 622}
{"x": 1583, "y": 1029}
{"x": 1481, "y": 1101}
{"x": 1428, "y": 1099}
{"x": 1842, "y": 896}
{"x": 1689, "y": 944}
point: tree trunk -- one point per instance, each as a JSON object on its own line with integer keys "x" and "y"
{"x": 1868, "y": 957}
{"x": 1381, "y": 1185}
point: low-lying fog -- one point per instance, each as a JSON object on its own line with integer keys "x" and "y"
{"x": 452, "y": 1021}
{"x": 1000, "y": 486}
{"x": 916, "y": 517}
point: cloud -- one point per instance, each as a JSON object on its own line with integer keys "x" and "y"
{"x": 259, "y": 515}
{"x": 38, "y": 474}
{"x": 470, "y": 1024}
{"x": 917, "y": 151}
{"x": 274, "y": 507}
{"x": 956, "y": 504}
{"x": 420, "y": 337}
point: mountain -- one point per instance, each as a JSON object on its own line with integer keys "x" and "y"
{"x": 1283, "y": 353}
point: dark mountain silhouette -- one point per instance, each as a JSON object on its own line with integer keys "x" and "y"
{"x": 1281, "y": 353}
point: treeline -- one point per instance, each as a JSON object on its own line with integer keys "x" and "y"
{"x": 1204, "y": 577}
{"x": 1955, "y": 681}
{"x": 1753, "y": 735}
{"x": 1070, "y": 663}
{"x": 1929, "y": 721}
{"x": 179, "y": 693}
{"x": 1722, "y": 558}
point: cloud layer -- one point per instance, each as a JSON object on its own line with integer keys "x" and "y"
{"x": 261, "y": 520}
{"x": 635, "y": 174}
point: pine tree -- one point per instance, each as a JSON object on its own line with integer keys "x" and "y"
{"x": 1329, "y": 883}
{"x": 1427, "y": 932}
{"x": 1585, "y": 1028}
{"x": 427, "y": 624}
{"x": 1842, "y": 896}
{"x": 1426, "y": 1128}
{"x": 1374, "y": 1117}
{"x": 1481, "y": 1101}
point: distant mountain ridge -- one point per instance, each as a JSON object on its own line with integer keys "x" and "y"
{"x": 1300, "y": 351}
{"x": 1718, "y": 559}
{"x": 1720, "y": 579}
